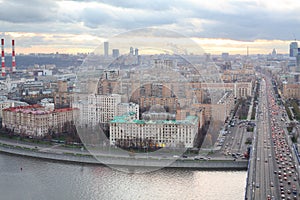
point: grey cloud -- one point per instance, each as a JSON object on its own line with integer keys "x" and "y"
{"x": 158, "y": 5}
{"x": 29, "y": 11}
{"x": 249, "y": 25}
{"x": 128, "y": 19}
{"x": 248, "y": 21}
{"x": 94, "y": 17}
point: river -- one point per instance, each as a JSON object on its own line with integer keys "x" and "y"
{"x": 28, "y": 178}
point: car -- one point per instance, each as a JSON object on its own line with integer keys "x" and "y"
{"x": 281, "y": 181}
{"x": 295, "y": 192}
{"x": 295, "y": 178}
{"x": 257, "y": 185}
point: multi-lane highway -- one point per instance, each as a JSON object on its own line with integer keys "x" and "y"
{"x": 264, "y": 180}
{"x": 273, "y": 171}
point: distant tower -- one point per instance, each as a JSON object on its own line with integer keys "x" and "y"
{"x": 298, "y": 63}
{"x": 225, "y": 56}
{"x": 274, "y": 53}
{"x": 207, "y": 57}
{"x": 115, "y": 53}
{"x": 13, "y": 56}
{"x": 293, "y": 49}
{"x": 106, "y": 44}
{"x": 136, "y": 52}
{"x": 131, "y": 50}
{"x": 2, "y": 58}
{"x": 247, "y": 51}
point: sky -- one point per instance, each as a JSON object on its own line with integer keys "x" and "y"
{"x": 49, "y": 26}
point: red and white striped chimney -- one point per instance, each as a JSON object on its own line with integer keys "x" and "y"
{"x": 2, "y": 58}
{"x": 13, "y": 56}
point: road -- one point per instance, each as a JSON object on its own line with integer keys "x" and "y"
{"x": 273, "y": 168}
{"x": 264, "y": 165}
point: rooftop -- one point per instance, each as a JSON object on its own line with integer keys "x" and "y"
{"x": 36, "y": 109}
{"x": 126, "y": 119}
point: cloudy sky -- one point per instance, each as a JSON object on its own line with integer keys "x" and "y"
{"x": 216, "y": 25}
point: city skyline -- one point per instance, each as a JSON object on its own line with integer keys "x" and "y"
{"x": 217, "y": 26}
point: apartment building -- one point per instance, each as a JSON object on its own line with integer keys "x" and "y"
{"x": 36, "y": 120}
{"x": 95, "y": 109}
{"x": 291, "y": 90}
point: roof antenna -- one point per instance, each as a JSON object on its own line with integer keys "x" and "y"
{"x": 295, "y": 37}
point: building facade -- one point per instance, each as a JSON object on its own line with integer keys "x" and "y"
{"x": 125, "y": 108}
{"x": 170, "y": 104}
{"x": 10, "y": 103}
{"x": 291, "y": 91}
{"x": 36, "y": 120}
{"x": 95, "y": 109}
{"x": 162, "y": 133}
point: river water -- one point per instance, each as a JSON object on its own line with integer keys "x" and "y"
{"x": 27, "y": 178}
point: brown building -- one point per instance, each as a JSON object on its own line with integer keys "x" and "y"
{"x": 62, "y": 86}
{"x": 62, "y": 99}
{"x": 291, "y": 91}
{"x": 169, "y": 103}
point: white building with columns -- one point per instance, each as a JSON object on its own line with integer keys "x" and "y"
{"x": 162, "y": 133}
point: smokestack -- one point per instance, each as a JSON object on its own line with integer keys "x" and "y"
{"x": 2, "y": 58}
{"x": 13, "y": 56}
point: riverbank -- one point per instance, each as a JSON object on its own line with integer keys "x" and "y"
{"x": 84, "y": 157}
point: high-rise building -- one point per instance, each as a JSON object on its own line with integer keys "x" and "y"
{"x": 136, "y": 52}
{"x": 115, "y": 53}
{"x": 293, "y": 49}
{"x": 274, "y": 53}
{"x": 131, "y": 51}
{"x": 94, "y": 109}
{"x": 298, "y": 63}
{"x": 106, "y": 46}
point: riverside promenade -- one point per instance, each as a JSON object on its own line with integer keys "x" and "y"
{"x": 80, "y": 156}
